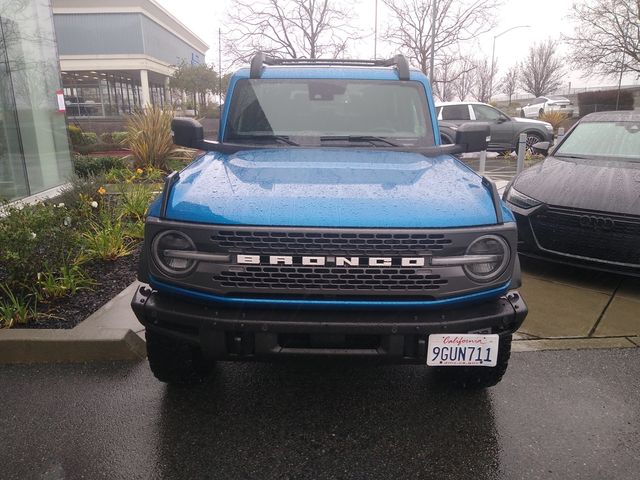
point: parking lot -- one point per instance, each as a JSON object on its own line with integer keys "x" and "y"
{"x": 556, "y": 415}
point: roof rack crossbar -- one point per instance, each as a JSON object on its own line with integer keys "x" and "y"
{"x": 260, "y": 59}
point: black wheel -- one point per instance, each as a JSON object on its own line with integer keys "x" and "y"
{"x": 176, "y": 362}
{"x": 532, "y": 139}
{"x": 477, "y": 377}
{"x": 444, "y": 140}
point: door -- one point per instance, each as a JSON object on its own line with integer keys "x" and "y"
{"x": 502, "y": 127}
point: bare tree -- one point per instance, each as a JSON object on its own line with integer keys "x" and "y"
{"x": 450, "y": 70}
{"x": 465, "y": 82}
{"x": 510, "y": 81}
{"x": 607, "y": 36}
{"x": 542, "y": 70}
{"x": 289, "y": 28}
{"x": 456, "y": 21}
{"x": 483, "y": 73}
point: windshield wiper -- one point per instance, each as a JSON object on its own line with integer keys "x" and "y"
{"x": 268, "y": 138}
{"x": 358, "y": 138}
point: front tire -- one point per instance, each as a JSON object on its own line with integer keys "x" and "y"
{"x": 176, "y": 362}
{"x": 532, "y": 139}
{"x": 475, "y": 378}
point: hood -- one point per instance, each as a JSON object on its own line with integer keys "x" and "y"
{"x": 528, "y": 120}
{"x": 600, "y": 185}
{"x": 330, "y": 187}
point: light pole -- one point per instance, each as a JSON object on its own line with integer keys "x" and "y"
{"x": 375, "y": 33}
{"x": 493, "y": 54}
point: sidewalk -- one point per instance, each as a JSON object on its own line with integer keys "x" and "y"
{"x": 579, "y": 307}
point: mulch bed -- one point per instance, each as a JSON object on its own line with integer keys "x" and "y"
{"x": 112, "y": 278}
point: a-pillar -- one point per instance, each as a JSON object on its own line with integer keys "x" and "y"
{"x": 146, "y": 96}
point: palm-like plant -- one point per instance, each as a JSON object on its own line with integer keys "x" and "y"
{"x": 149, "y": 138}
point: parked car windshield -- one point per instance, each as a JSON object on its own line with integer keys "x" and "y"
{"x": 313, "y": 110}
{"x": 619, "y": 140}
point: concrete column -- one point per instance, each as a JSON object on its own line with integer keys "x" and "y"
{"x": 145, "y": 99}
{"x": 167, "y": 92}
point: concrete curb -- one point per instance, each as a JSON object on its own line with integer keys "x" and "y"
{"x": 111, "y": 333}
{"x": 571, "y": 344}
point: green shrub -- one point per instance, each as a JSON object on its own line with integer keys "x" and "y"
{"x": 554, "y": 117}
{"x": 106, "y": 137}
{"x": 107, "y": 240}
{"x": 15, "y": 309}
{"x": 75, "y": 134}
{"x": 134, "y": 201}
{"x": 35, "y": 238}
{"x": 68, "y": 281}
{"x": 89, "y": 138}
{"x": 81, "y": 190}
{"x": 149, "y": 138}
{"x": 85, "y": 166}
{"x": 119, "y": 138}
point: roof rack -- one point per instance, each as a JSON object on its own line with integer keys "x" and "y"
{"x": 260, "y": 59}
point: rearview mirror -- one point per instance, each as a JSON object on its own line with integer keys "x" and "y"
{"x": 187, "y": 132}
{"x": 541, "y": 148}
{"x": 473, "y": 137}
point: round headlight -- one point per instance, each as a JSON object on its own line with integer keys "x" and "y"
{"x": 170, "y": 252}
{"x": 493, "y": 257}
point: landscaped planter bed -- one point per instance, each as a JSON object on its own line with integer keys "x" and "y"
{"x": 67, "y": 312}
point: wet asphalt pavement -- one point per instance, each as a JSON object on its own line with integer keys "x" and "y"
{"x": 555, "y": 415}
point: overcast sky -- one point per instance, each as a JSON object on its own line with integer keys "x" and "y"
{"x": 547, "y": 18}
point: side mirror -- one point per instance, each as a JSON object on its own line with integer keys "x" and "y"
{"x": 541, "y": 148}
{"x": 473, "y": 137}
{"x": 187, "y": 132}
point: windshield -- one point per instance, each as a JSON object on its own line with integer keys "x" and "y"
{"x": 615, "y": 140}
{"x": 317, "y": 110}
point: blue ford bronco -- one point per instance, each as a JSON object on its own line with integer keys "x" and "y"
{"x": 328, "y": 220}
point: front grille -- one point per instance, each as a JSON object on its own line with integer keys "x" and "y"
{"x": 323, "y": 279}
{"x": 335, "y": 243}
{"x": 560, "y": 230}
{"x": 383, "y": 268}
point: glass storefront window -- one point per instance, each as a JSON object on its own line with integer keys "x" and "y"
{"x": 100, "y": 94}
{"x": 34, "y": 148}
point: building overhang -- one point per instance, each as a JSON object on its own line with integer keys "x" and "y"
{"x": 149, "y": 8}
{"x": 76, "y": 63}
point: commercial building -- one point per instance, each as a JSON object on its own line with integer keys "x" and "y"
{"x": 118, "y": 55}
{"x": 34, "y": 150}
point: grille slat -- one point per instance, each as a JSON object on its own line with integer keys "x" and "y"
{"x": 365, "y": 244}
{"x": 561, "y": 231}
{"x": 285, "y": 278}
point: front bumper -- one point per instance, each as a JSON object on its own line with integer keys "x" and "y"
{"x": 251, "y": 334}
{"x": 530, "y": 245}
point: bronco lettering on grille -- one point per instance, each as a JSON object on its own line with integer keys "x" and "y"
{"x": 334, "y": 261}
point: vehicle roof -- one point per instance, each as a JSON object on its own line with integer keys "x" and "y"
{"x": 331, "y": 71}
{"x": 619, "y": 116}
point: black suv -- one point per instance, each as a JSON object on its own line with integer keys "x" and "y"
{"x": 505, "y": 130}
